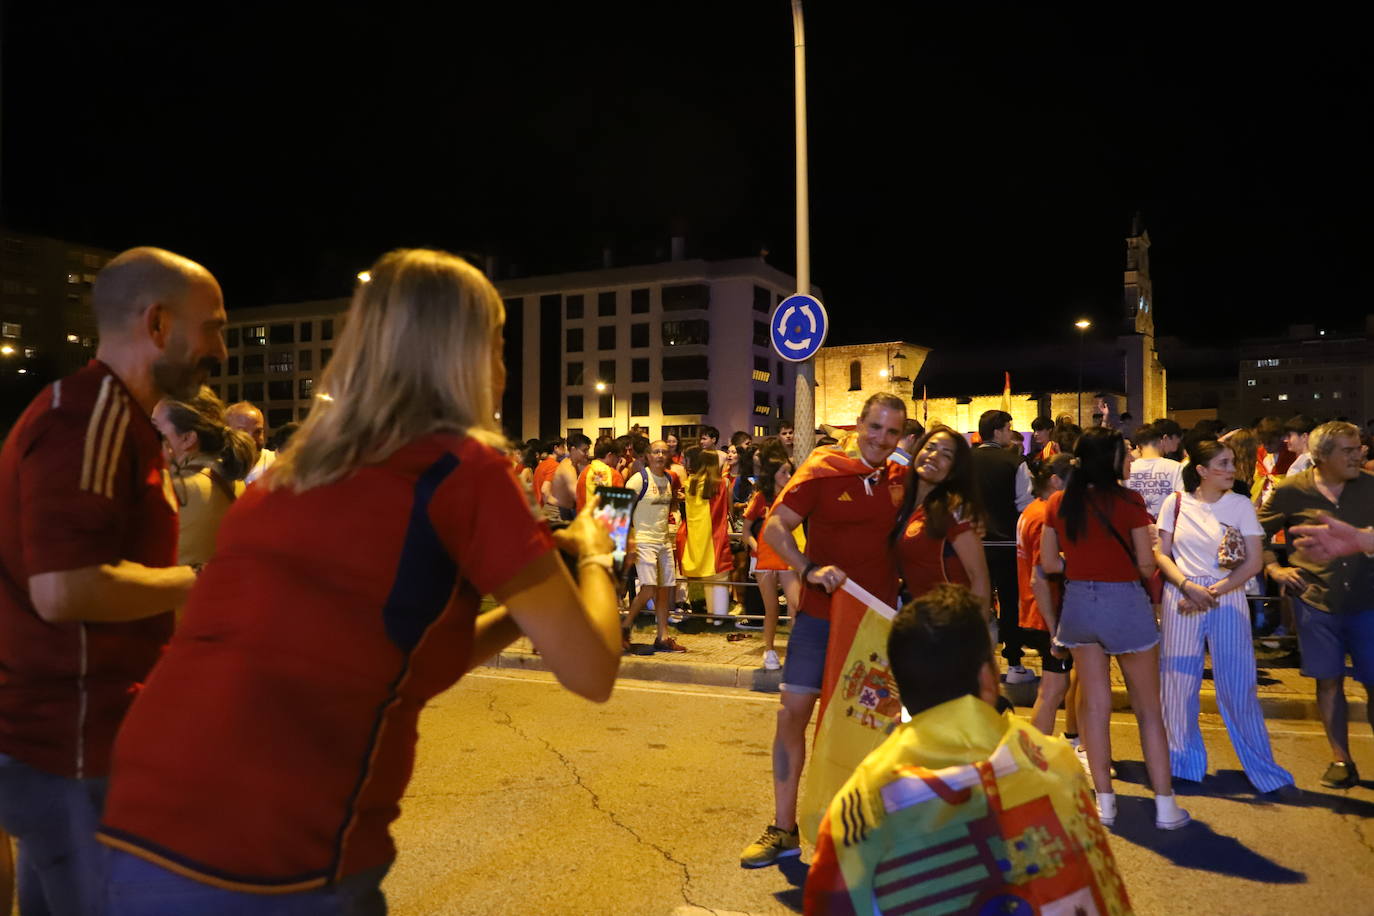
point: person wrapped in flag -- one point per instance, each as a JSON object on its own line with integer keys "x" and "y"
{"x": 703, "y": 537}
{"x": 962, "y": 809}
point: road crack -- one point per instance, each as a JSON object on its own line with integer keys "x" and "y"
{"x": 509, "y": 722}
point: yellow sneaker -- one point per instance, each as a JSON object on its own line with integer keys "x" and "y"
{"x": 774, "y": 844}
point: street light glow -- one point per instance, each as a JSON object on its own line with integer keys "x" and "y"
{"x": 1082, "y": 324}
{"x": 882, "y": 373}
{"x": 364, "y": 276}
{"x": 600, "y": 386}
{"x": 7, "y": 350}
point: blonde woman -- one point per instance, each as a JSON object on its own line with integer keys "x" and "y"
{"x": 703, "y": 538}
{"x": 207, "y": 463}
{"x": 343, "y": 596}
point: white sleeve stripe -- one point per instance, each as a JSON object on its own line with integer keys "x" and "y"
{"x": 92, "y": 433}
{"x": 56, "y": 394}
{"x": 117, "y": 448}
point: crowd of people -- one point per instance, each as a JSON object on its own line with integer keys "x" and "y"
{"x": 214, "y": 649}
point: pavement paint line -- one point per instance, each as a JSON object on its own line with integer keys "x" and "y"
{"x": 621, "y": 685}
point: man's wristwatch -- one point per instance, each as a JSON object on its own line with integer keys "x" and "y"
{"x": 806, "y": 573}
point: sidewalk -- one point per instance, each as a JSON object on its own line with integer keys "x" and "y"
{"x": 712, "y": 659}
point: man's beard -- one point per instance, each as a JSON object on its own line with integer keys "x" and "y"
{"x": 178, "y": 381}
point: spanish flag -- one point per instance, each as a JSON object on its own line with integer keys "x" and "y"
{"x": 859, "y": 702}
{"x": 703, "y": 538}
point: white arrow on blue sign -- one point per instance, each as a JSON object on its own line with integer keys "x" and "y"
{"x": 799, "y": 327}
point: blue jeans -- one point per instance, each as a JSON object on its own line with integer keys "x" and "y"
{"x": 61, "y": 866}
{"x": 138, "y": 887}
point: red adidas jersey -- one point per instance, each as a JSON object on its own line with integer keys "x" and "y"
{"x": 82, "y": 483}
{"x": 270, "y": 749}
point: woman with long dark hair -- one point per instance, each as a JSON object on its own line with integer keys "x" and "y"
{"x": 772, "y": 469}
{"x": 1103, "y": 529}
{"x": 936, "y": 537}
{"x": 1205, "y": 608}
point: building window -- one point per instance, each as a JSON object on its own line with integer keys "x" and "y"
{"x": 605, "y": 371}
{"x": 11, "y": 329}
{"x": 306, "y": 388}
{"x": 760, "y": 432}
{"x": 307, "y": 331}
{"x": 233, "y": 366}
{"x": 252, "y": 391}
{"x": 306, "y": 359}
{"x": 231, "y": 392}
{"x": 255, "y": 336}
{"x": 762, "y": 299}
{"x": 684, "y": 433}
{"x": 691, "y": 296}
{"x": 279, "y": 416}
{"x": 325, "y": 356}
{"x": 73, "y": 278}
{"x": 574, "y": 339}
{"x": 639, "y": 404}
{"x": 605, "y": 337}
{"x": 605, "y": 406}
{"x": 605, "y": 304}
{"x": 684, "y": 368}
{"x": 856, "y": 379}
{"x": 639, "y": 336}
{"x": 762, "y": 407}
{"x": 282, "y": 334}
{"x": 214, "y": 370}
{"x": 761, "y": 373}
{"x": 1250, "y": 383}
{"x": 1316, "y": 395}
{"x": 575, "y": 306}
{"x": 216, "y": 390}
{"x": 678, "y": 403}
{"x": 1335, "y": 395}
{"x": 782, "y": 373}
{"x": 574, "y": 407}
{"x": 761, "y": 338}
{"x": 327, "y": 329}
{"x": 574, "y": 374}
{"x": 281, "y": 391}
{"x": 31, "y": 352}
{"x": 574, "y": 431}
{"x": 231, "y": 337}
{"x": 680, "y": 333}
{"x": 253, "y": 364}
{"x": 1263, "y": 363}
{"x": 281, "y": 361}
{"x": 639, "y": 301}
{"x": 639, "y": 370}
{"x": 1283, "y": 397}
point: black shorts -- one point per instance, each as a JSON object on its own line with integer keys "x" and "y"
{"x": 1039, "y": 640}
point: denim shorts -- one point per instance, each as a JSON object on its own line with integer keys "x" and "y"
{"x": 1325, "y": 638}
{"x": 804, "y": 668}
{"x": 1114, "y": 615}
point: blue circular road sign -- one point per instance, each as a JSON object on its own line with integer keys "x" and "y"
{"x": 799, "y": 327}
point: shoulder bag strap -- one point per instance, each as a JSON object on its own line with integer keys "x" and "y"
{"x": 222, "y": 484}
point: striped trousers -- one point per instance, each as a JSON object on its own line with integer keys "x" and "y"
{"x": 1225, "y": 633}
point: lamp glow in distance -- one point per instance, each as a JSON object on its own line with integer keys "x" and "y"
{"x": 602, "y": 388}
{"x": 1082, "y": 324}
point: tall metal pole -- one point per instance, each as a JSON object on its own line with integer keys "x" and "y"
{"x": 804, "y": 410}
{"x": 1080, "y": 378}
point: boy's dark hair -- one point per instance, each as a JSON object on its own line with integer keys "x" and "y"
{"x": 787, "y": 424}
{"x": 912, "y": 428}
{"x": 1269, "y": 431}
{"x": 709, "y": 431}
{"x": 739, "y": 437}
{"x": 990, "y": 422}
{"x": 1147, "y": 435}
{"x": 1167, "y": 427}
{"x": 1059, "y": 466}
{"x": 606, "y": 446}
{"x": 1098, "y": 455}
{"x": 1040, "y": 424}
{"x": 1300, "y": 423}
{"x": 552, "y": 444}
{"x": 577, "y": 440}
{"x": 938, "y": 647}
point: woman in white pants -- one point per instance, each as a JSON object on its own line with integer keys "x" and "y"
{"x": 1204, "y": 605}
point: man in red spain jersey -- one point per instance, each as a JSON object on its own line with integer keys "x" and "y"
{"x": 88, "y": 574}
{"x": 849, "y": 495}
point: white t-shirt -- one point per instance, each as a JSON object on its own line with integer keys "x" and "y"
{"x": 651, "y": 512}
{"x": 265, "y": 458}
{"x": 1199, "y": 530}
{"x": 1154, "y": 479}
{"x": 1300, "y": 464}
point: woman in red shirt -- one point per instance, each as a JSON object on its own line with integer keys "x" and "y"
{"x": 937, "y": 535}
{"x": 269, "y": 750}
{"x": 772, "y": 471}
{"x": 1103, "y": 530}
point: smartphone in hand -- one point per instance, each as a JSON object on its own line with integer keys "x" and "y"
{"x": 612, "y": 512}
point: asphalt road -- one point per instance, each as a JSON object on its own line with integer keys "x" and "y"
{"x": 527, "y": 799}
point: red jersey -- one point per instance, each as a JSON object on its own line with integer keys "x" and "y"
{"x": 924, "y": 561}
{"x": 272, "y": 745}
{"x": 849, "y": 518}
{"x": 82, "y": 483}
{"x": 1097, "y": 555}
{"x": 1029, "y": 527}
{"x": 543, "y": 473}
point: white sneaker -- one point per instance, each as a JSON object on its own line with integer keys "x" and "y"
{"x": 1168, "y": 815}
{"x": 770, "y": 661}
{"x": 1019, "y": 674}
{"x": 1106, "y": 808}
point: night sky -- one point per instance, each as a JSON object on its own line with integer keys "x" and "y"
{"x": 966, "y": 163}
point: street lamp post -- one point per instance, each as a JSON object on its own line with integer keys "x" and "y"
{"x": 601, "y": 388}
{"x": 1082, "y": 324}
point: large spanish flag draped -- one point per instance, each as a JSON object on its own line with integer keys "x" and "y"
{"x": 859, "y": 702}
{"x": 703, "y": 538}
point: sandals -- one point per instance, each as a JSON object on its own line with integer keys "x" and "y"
{"x": 668, "y": 645}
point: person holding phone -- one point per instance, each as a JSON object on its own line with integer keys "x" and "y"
{"x": 1205, "y": 610}
{"x": 268, "y": 752}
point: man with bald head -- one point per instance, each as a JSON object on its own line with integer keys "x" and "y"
{"x": 247, "y": 418}
{"x": 88, "y": 574}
